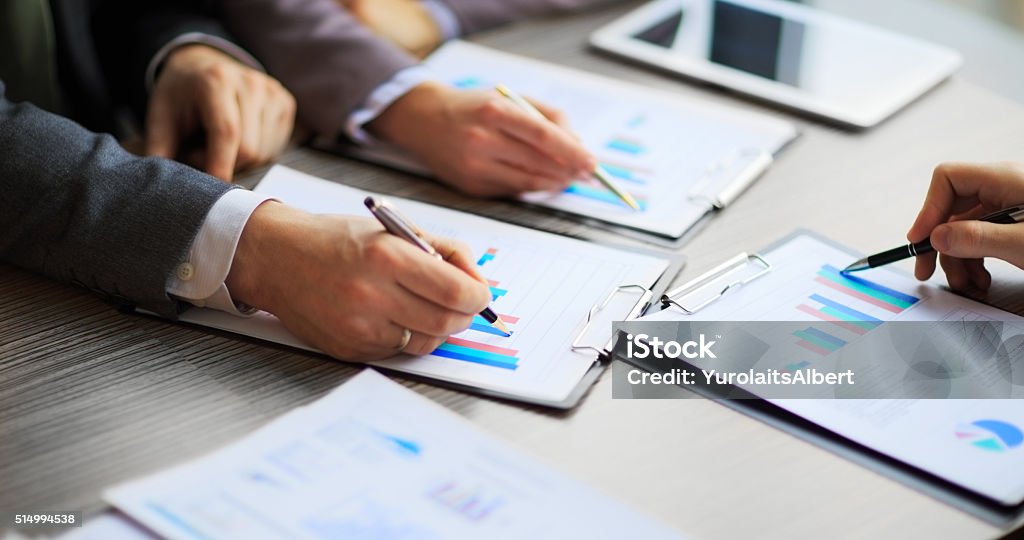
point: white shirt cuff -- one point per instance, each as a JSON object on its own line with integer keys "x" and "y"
{"x": 382, "y": 97}
{"x": 199, "y": 279}
{"x": 444, "y": 18}
{"x": 190, "y": 38}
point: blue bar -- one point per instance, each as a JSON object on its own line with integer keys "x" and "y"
{"x": 825, "y": 336}
{"x": 872, "y": 285}
{"x": 843, "y": 309}
{"x": 484, "y": 259}
{"x": 472, "y": 358}
{"x": 497, "y": 357}
{"x": 497, "y": 293}
{"x": 485, "y": 327}
{"x": 621, "y": 173}
{"x": 625, "y": 146}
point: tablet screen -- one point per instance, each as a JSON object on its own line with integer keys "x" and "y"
{"x": 812, "y": 54}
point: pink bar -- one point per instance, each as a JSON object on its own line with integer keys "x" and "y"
{"x": 828, "y": 318}
{"x": 812, "y": 347}
{"x": 508, "y": 318}
{"x": 859, "y": 295}
{"x": 482, "y": 346}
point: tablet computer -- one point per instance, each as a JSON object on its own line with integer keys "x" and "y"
{"x": 786, "y": 53}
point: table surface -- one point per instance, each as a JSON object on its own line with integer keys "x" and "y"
{"x": 90, "y": 396}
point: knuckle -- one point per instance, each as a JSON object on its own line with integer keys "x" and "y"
{"x": 491, "y": 110}
{"x": 216, "y": 73}
{"x": 380, "y": 254}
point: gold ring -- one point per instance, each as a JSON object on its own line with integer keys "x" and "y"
{"x": 406, "y": 336}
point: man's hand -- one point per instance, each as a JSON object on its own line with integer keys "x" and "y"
{"x": 481, "y": 143}
{"x": 960, "y": 193}
{"x": 406, "y": 23}
{"x": 347, "y": 287}
{"x": 245, "y": 116}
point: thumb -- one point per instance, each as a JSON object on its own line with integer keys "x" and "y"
{"x": 978, "y": 239}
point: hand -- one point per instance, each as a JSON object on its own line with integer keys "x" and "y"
{"x": 481, "y": 143}
{"x": 344, "y": 285}
{"x": 959, "y": 194}
{"x": 246, "y": 116}
{"x": 406, "y": 23}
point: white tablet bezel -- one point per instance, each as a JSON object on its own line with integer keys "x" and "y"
{"x": 616, "y": 38}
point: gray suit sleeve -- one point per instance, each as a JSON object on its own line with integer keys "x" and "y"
{"x": 319, "y": 51}
{"x": 78, "y": 208}
{"x": 477, "y": 15}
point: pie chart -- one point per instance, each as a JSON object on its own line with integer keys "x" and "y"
{"x": 991, "y": 435}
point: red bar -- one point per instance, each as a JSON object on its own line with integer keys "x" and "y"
{"x": 859, "y": 295}
{"x": 482, "y": 346}
{"x": 812, "y": 347}
{"x": 828, "y": 318}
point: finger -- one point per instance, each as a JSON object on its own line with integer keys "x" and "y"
{"x": 218, "y": 109}
{"x": 161, "y": 129}
{"x": 278, "y": 121}
{"x": 251, "y": 106}
{"x": 547, "y": 137}
{"x": 979, "y": 277}
{"x": 420, "y": 315}
{"x": 437, "y": 281}
{"x": 924, "y": 266}
{"x": 956, "y": 274}
{"x": 553, "y": 114}
{"x": 421, "y": 345}
{"x": 457, "y": 254}
{"x": 979, "y": 239}
{"x": 958, "y": 187}
{"x": 528, "y": 159}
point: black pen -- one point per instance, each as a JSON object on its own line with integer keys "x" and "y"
{"x": 1006, "y": 216}
{"x": 397, "y": 224}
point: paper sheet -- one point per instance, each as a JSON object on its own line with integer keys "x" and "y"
{"x": 668, "y": 152}
{"x": 972, "y": 443}
{"x": 373, "y": 460}
{"x": 542, "y": 286}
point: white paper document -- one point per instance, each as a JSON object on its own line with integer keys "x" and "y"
{"x": 373, "y": 460}
{"x": 542, "y": 287}
{"x": 975, "y": 443}
{"x": 674, "y": 156}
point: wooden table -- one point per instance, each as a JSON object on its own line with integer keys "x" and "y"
{"x": 90, "y": 397}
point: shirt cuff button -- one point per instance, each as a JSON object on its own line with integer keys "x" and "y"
{"x": 185, "y": 271}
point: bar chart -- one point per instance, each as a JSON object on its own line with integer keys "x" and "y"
{"x": 478, "y": 352}
{"x": 842, "y": 300}
{"x": 471, "y": 503}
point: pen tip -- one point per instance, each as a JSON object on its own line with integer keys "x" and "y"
{"x": 501, "y": 326}
{"x": 856, "y": 267}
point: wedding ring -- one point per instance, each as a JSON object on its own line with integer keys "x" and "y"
{"x": 406, "y": 336}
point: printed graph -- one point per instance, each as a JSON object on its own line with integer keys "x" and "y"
{"x": 477, "y": 352}
{"x": 842, "y": 302}
{"x": 487, "y": 257}
{"x": 472, "y": 503}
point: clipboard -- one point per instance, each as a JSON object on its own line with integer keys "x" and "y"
{"x": 538, "y": 365}
{"x": 729, "y": 278}
{"x": 603, "y": 353}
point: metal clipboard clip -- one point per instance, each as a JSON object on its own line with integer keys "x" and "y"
{"x": 724, "y": 180}
{"x": 603, "y": 352}
{"x": 715, "y": 283}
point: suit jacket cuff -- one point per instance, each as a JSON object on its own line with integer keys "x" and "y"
{"x": 192, "y": 38}
{"x": 199, "y": 279}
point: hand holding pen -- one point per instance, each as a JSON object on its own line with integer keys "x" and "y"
{"x": 399, "y": 225}
{"x": 968, "y": 214}
{"x": 597, "y": 172}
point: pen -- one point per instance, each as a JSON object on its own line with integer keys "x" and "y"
{"x": 599, "y": 173}
{"x": 397, "y": 224}
{"x": 1007, "y": 216}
